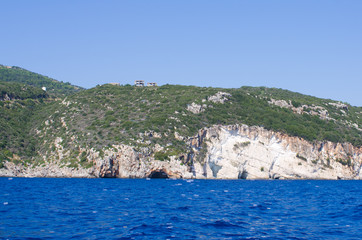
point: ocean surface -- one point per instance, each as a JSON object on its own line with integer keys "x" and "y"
{"x": 49, "y": 208}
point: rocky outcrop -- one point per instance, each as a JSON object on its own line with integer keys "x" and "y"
{"x": 304, "y": 109}
{"x": 219, "y": 97}
{"x": 218, "y": 152}
{"x": 5, "y": 97}
{"x": 196, "y": 108}
{"x": 48, "y": 170}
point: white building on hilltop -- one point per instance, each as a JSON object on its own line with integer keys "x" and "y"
{"x": 139, "y": 83}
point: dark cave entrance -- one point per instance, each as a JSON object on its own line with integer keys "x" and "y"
{"x": 243, "y": 175}
{"x": 158, "y": 174}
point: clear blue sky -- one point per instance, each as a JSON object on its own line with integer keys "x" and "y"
{"x": 308, "y": 46}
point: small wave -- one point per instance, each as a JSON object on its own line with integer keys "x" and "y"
{"x": 258, "y": 206}
{"x": 221, "y": 224}
{"x": 183, "y": 208}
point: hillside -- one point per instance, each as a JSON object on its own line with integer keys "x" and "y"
{"x": 108, "y": 114}
{"x": 13, "y": 90}
{"x": 160, "y": 123}
{"x": 19, "y": 75}
{"x": 17, "y": 104}
{"x": 21, "y": 95}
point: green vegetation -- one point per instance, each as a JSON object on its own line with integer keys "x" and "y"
{"x": 345, "y": 162}
{"x": 10, "y": 91}
{"x": 338, "y": 129}
{"x": 17, "y": 104}
{"x": 20, "y": 75}
{"x": 21, "y": 98}
{"x": 142, "y": 117}
{"x": 163, "y": 156}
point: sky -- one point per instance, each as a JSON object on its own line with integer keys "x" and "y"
{"x": 309, "y": 46}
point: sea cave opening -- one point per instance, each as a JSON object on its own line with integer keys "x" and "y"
{"x": 158, "y": 174}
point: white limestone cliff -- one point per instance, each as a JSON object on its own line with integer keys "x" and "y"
{"x": 256, "y": 153}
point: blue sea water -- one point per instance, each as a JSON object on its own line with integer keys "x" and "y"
{"x": 46, "y": 208}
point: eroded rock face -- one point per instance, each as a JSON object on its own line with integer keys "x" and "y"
{"x": 244, "y": 152}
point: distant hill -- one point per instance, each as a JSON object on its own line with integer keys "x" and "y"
{"x": 53, "y": 87}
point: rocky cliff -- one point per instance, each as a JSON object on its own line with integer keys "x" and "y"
{"x": 239, "y": 151}
{"x": 218, "y": 152}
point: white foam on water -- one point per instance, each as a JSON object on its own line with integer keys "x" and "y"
{"x": 6, "y": 203}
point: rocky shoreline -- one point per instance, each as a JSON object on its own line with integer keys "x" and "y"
{"x": 218, "y": 152}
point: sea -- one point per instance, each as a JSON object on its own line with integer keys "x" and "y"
{"x": 68, "y": 208}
